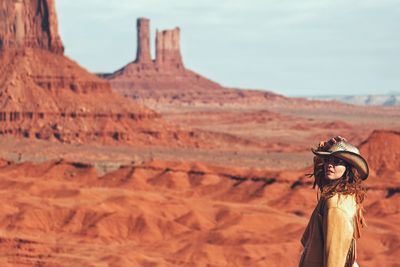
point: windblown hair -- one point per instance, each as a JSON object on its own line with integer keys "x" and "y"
{"x": 349, "y": 184}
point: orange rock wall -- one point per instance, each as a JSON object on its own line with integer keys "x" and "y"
{"x": 30, "y": 23}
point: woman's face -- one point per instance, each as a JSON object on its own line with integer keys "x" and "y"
{"x": 334, "y": 168}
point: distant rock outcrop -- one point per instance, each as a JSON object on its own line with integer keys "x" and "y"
{"x": 166, "y": 72}
{"x": 390, "y": 100}
{"x": 382, "y": 152}
{"x": 143, "y": 45}
{"x": 165, "y": 79}
{"x": 168, "y": 51}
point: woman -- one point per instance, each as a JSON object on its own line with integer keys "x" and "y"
{"x": 330, "y": 237}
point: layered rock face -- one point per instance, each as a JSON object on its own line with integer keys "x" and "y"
{"x": 45, "y": 95}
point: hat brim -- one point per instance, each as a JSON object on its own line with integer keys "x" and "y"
{"x": 352, "y": 158}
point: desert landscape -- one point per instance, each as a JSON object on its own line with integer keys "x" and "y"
{"x": 157, "y": 165}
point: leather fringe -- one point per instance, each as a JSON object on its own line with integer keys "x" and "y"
{"x": 351, "y": 256}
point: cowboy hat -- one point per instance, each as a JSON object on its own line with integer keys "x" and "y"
{"x": 347, "y": 152}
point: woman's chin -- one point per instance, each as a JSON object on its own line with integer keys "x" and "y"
{"x": 331, "y": 176}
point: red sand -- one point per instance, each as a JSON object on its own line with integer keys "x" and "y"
{"x": 61, "y": 213}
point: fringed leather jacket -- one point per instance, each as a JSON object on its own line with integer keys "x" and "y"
{"x": 330, "y": 237}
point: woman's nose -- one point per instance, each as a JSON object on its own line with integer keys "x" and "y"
{"x": 329, "y": 165}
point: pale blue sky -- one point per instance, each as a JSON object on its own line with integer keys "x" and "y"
{"x": 291, "y": 47}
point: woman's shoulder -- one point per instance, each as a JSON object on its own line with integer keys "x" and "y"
{"x": 346, "y": 203}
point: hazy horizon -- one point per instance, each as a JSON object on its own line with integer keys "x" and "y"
{"x": 293, "y": 48}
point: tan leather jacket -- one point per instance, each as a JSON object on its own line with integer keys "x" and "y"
{"x": 329, "y": 237}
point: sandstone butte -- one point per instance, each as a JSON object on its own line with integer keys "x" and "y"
{"x": 166, "y": 79}
{"x": 165, "y": 72}
{"x": 45, "y": 95}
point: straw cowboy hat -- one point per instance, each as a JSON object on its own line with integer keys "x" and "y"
{"x": 347, "y": 152}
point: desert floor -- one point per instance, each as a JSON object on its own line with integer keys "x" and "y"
{"x": 243, "y": 202}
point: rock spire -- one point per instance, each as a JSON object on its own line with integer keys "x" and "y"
{"x": 143, "y": 54}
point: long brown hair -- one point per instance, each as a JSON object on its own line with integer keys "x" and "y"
{"x": 349, "y": 184}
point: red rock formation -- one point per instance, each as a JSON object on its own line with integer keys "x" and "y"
{"x": 168, "y": 53}
{"x": 166, "y": 72}
{"x": 382, "y": 152}
{"x": 45, "y": 95}
{"x": 167, "y": 80}
{"x": 29, "y": 23}
{"x": 143, "y": 41}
